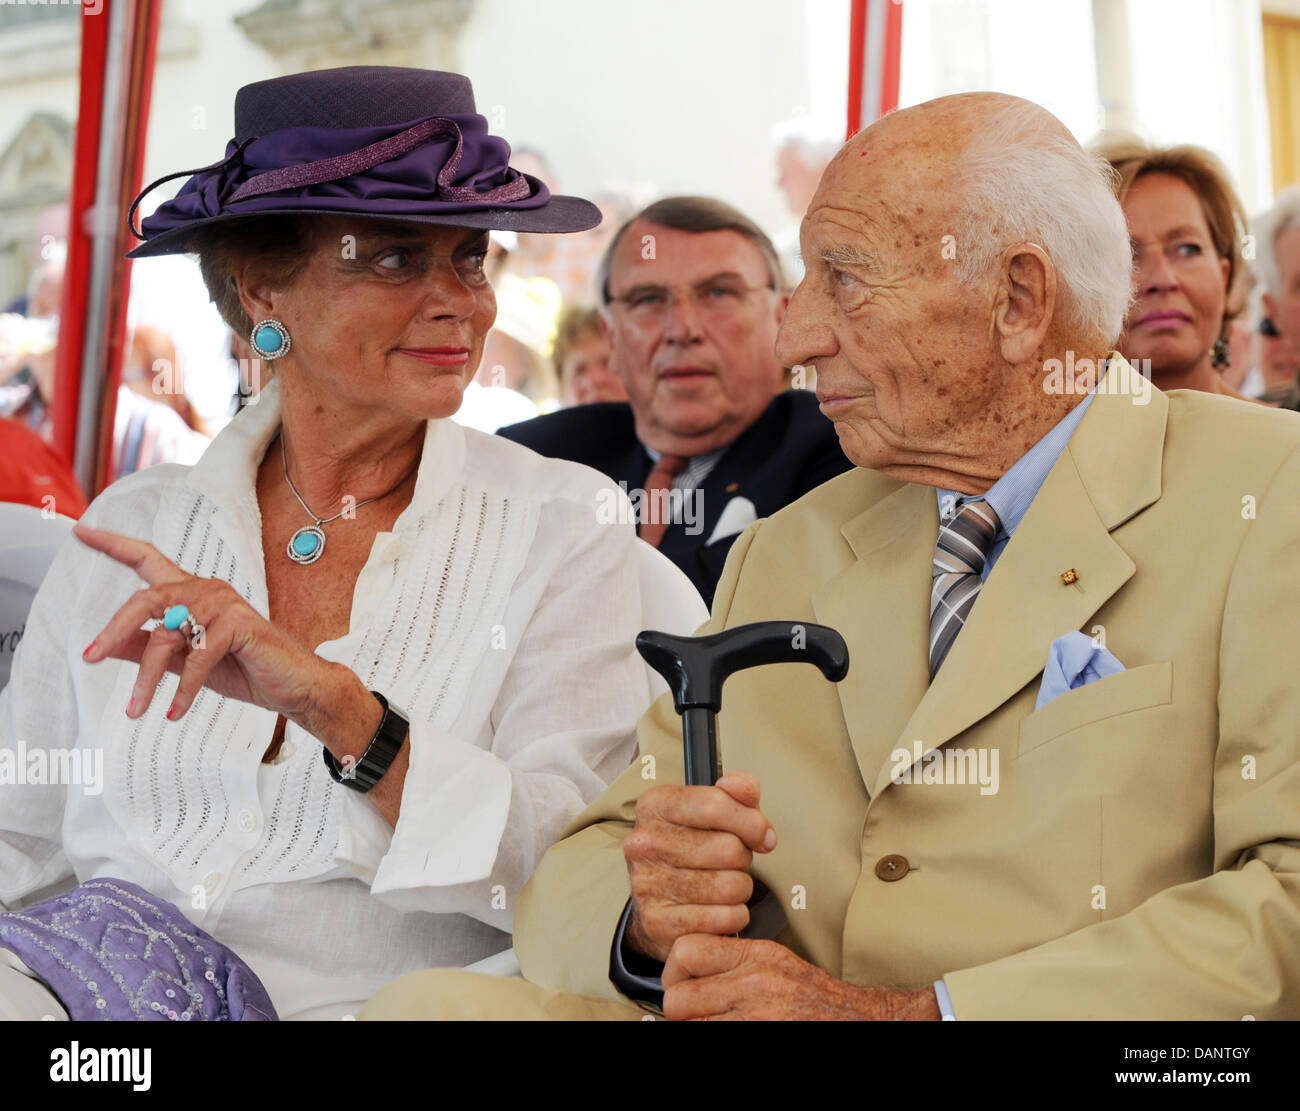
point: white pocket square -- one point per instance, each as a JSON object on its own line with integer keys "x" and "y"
{"x": 737, "y": 515}
{"x": 1074, "y": 660}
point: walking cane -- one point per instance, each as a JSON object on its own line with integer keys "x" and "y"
{"x": 696, "y": 667}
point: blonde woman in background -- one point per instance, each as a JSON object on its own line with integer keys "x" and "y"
{"x": 1185, "y": 222}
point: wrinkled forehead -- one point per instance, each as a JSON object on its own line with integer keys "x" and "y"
{"x": 892, "y": 180}
{"x": 859, "y": 202}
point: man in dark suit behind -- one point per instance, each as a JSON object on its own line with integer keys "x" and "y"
{"x": 710, "y": 439}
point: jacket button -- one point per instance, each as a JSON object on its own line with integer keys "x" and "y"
{"x": 892, "y": 867}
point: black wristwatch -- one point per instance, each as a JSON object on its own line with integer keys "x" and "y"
{"x": 379, "y": 757}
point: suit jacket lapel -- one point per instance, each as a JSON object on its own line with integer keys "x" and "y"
{"x": 632, "y": 466}
{"x": 880, "y": 605}
{"x": 1109, "y": 472}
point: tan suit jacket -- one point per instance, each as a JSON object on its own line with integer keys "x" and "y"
{"x": 1141, "y": 856}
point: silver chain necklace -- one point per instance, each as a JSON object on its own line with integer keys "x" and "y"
{"x": 308, "y": 543}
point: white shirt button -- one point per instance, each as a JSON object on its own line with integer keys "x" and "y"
{"x": 211, "y": 882}
{"x": 247, "y": 820}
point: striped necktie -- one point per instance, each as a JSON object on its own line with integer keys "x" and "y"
{"x": 963, "y": 546}
{"x": 657, "y": 503}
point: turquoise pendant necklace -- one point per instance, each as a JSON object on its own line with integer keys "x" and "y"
{"x": 307, "y": 545}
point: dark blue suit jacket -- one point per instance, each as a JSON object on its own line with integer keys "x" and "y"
{"x": 785, "y": 453}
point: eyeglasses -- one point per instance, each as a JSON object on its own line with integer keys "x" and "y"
{"x": 719, "y": 298}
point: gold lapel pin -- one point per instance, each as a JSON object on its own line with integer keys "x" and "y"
{"x": 733, "y": 488}
{"x": 1070, "y": 576}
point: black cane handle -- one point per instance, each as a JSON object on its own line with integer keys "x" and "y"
{"x": 696, "y": 667}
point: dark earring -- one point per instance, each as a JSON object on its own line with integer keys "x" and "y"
{"x": 1221, "y": 359}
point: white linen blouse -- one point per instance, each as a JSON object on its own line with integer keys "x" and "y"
{"x": 499, "y": 616}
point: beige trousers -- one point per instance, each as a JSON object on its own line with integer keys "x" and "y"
{"x": 24, "y": 998}
{"x": 452, "y": 994}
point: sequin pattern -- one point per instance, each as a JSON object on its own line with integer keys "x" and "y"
{"x": 111, "y": 951}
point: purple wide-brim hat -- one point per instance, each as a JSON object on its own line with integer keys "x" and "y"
{"x": 375, "y": 141}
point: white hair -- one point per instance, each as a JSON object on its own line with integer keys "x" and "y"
{"x": 54, "y": 260}
{"x": 1017, "y": 185}
{"x": 809, "y": 139}
{"x": 1284, "y": 214}
{"x": 813, "y": 154}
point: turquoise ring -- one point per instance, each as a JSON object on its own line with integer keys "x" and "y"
{"x": 177, "y": 617}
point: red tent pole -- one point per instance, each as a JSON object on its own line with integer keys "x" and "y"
{"x": 891, "y": 65}
{"x": 118, "y": 52}
{"x": 135, "y": 121}
{"x": 76, "y": 279}
{"x": 875, "y": 48}
{"x": 857, "y": 48}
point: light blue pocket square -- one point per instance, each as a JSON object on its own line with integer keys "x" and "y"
{"x": 1074, "y": 660}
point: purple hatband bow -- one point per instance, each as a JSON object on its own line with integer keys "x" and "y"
{"x": 442, "y": 164}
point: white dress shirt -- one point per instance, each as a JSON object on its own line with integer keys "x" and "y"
{"x": 498, "y": 615}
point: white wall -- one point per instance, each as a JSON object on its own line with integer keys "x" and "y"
{"x": 680, "y": 96}
{"x": 1040, "y": 51}
{"x": 205, "y": 77}
{"x": 1194, "y": 73}
{"x": 678, "y": 93}
{"x": 51, "y": 90}
{"x": 683, "y": 93}
{"x": 193, "y": 111}
{"x": 1198, "y": 77}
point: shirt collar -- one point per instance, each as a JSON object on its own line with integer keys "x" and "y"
{"x": 1012, "y": 494}
{"x": 707, "y": 459}
{"x": 227, "y": 471}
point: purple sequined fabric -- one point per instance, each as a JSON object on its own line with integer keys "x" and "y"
{"x": 439, "y": 164}
{"x": 110, "y": 950}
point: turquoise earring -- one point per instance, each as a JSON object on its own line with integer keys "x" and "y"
{"x": 269, "y": 340}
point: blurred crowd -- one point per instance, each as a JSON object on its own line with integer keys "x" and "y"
{"x": 1216, "y": 307}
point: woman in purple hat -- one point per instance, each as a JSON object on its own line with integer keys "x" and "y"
{"x": 332, "y": 691}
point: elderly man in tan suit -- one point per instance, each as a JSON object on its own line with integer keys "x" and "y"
{"x": 1062, "y": 779}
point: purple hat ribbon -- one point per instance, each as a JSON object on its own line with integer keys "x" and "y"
{"x": 345, "y": 165}
{"x": 442, "y": 164}
{"x": 221, "y": 165}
